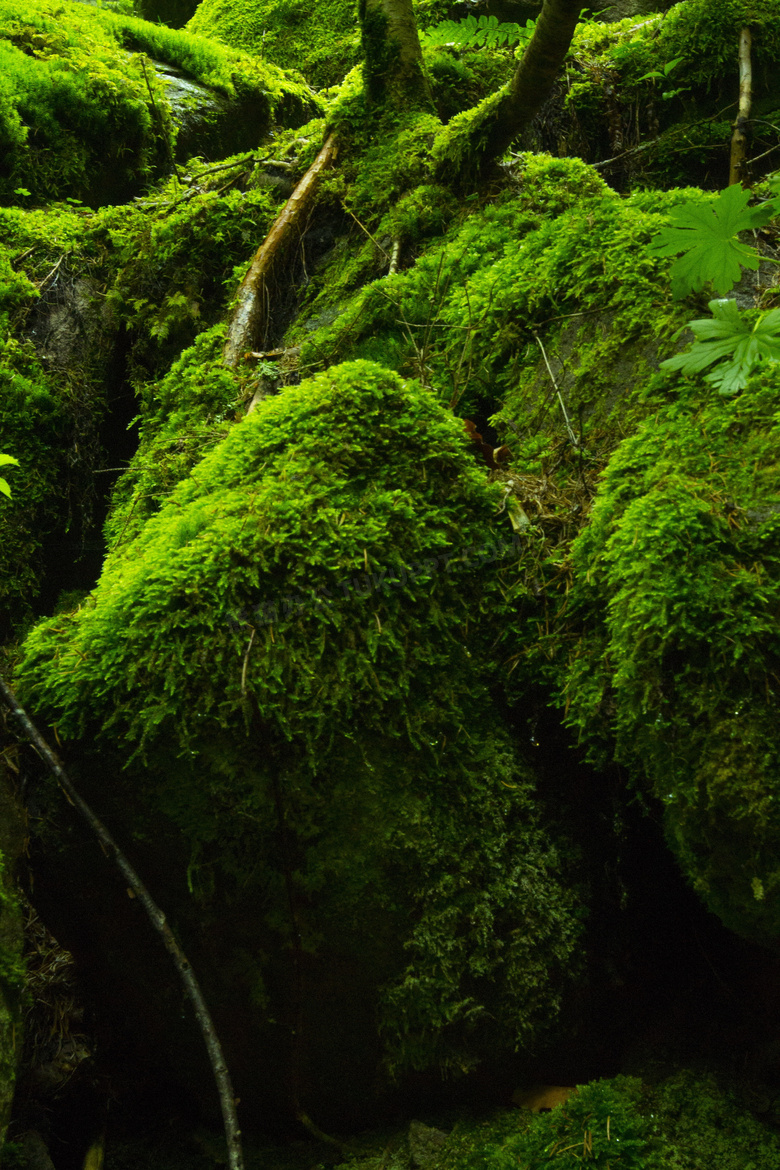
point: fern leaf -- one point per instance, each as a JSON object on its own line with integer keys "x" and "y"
{"x": 483, "y": 32}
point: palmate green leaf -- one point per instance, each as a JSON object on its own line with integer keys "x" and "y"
{"x": 707, "y": 234}
{"x": 5, "y": 461}
{"x": 728, "y": 335}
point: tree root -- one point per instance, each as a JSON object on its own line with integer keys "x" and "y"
{"x": 250, "y": 316}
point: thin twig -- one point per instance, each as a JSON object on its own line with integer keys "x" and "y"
{"x": 363, "y": 228}
{"x": 50, "y": 274}
{"x": 569, "y": 430}
{"x": 157, "y": 919}
{"x": 246, "y": 661}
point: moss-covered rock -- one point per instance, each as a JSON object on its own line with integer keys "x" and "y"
{"x": 677, "y": 577}
{"x": 321, "y": 43}
{"x": 289, "y": 643}
{"x": 80, "y": 117}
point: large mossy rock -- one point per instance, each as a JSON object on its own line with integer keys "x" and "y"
{"x": 83, "y": 114}
{"x": 292, "y": 650}
{"x": 322, "y": 43}
{"x": 677, "y": 587}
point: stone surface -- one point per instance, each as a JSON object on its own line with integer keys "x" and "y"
{"x": 425, "y": 1144}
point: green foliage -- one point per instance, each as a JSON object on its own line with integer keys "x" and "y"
{"x": 182, "y": 417}
{"x": 604, "y": 1126}
{"x": 231, "y": 72}
{"x": 174, "y": 258}
{"x": 708, "y": 234}
{"x": 322, "y": 43}
{"x": 75, "y": 109}
{"x": 32, "y": 420}
{"x": 687, "y": 1122}
{"x": 476, "y": 33}
{"x": 287, "y": 626}
{"x": 254, "y": 472}
{"x": 672, "y": 667}
{"x": 6, "y": 461}
{"x": 463, "y": 316}
{"x": 707, "y": 38}
{"x": 76, "y": 113}
{"x": 730, "y": 336}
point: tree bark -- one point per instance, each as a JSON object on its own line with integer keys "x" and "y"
{"x": 394, "y": 70}
{"x": 157, "y": 919}
{"x": 739, "y": 139}
{"x": 250, "y": 316}
{"x": 533, "y": 79}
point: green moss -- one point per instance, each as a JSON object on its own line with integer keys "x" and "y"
{"x": 287, "y": 633}
{"x": 182, "y": 417}
{"x": 81, "y": 117}
{"x": 687, "y": 1122}
{"x": 677, "y": 577}
{"x": 32, "y": 417}
{"x": 323, "y": 45}
{"x": 174, "y": 259}
{"x": 74, "y": 104}
{"x": 31, "y": 422}
{"x": 549, "y": 257}
{"x": 461, "y": 79}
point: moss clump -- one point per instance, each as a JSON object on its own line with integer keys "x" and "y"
{"x": 687, "y": 1122}
{"x": 289, "y": 636}
{"x": 75, "y": 109}
{"x": 677, "y": 580}
{"x": 559, "y": 250}
{"x": 322, "y": 44}
{"x": 182, "y": 417}
{"x": 80, "y": 117}
{"x": 302, "y": 461}
{"x": 173, "y": 260}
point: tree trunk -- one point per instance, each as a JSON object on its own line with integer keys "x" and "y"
{"x": 394, "y": 69}
{"x": 533, "y": 79}
{"x": 739, "y": 139}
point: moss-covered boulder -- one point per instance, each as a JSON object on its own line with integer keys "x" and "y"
{"x": 81, "y": 117}
{"x": 677, "y": 583}
{"x": 291, "y": 650}
{"x": 322, "y": 43}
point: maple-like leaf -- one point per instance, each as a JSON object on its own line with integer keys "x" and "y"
{"x": 7, "y": 461}
{"x": 707, "y": 234}
{"x": 728, "y": 335}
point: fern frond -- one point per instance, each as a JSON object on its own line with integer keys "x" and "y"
{"x": 476, "y": 32}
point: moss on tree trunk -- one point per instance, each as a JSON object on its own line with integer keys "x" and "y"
{"x": 394, "y": 69}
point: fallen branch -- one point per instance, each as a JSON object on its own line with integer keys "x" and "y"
{"x": 249, "y": 317}
{"x": 739, "y": 139}
{"x": 157, "y": 919}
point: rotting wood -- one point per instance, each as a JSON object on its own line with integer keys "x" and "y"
{"x": 739, "y": 139}
{"x": 247, "y": 324}
{"x": 157, "y": 919}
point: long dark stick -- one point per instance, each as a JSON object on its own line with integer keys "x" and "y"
{"x": 158, "y": 921}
